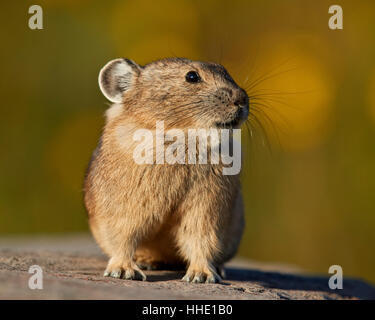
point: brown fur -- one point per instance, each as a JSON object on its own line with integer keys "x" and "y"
{"x": 158, "y": 215}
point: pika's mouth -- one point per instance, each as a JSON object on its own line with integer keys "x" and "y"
{"x": 239, "y": 117}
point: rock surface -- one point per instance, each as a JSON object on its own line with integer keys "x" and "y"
{"x": 73, "y": 267}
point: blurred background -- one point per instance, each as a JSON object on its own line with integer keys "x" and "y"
{"x": 309, "y": 172}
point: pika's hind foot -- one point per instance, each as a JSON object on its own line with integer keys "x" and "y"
{"x": 155, "y": 265}
{"x": 201, "y": 276}
{"x": 148, "y": 266}
{"x": 124, "y": 271}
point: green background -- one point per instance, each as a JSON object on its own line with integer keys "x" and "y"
{"x": 308, "y": 187}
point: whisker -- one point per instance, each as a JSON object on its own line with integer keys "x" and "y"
{"x": 267, "y": 77}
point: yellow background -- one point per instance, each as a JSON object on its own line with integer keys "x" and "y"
{"x": 309, "y": 186}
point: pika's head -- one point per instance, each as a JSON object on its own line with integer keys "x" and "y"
{"x": 180, "y": 92}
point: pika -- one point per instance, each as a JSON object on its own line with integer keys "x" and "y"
{"x": 152, "y": 216}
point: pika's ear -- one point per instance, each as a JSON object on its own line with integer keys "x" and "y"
{"x": 116, "y": 77}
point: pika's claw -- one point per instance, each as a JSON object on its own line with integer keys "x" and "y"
{"x": 201, "y": 277}
{"x": 134, "y": 274}
{"x": 186, "y": 278}
{"x": 112, "y": 274}
{"x": 115, "y": 274}
{"x": 129, "y": 272}
{"x": 213, "y": 279}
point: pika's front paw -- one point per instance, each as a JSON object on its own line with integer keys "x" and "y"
{"x": 206, "y": 276}
{"x": 127, "y": 273}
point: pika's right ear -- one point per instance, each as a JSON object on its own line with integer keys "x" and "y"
{"x": 116, "y": 77}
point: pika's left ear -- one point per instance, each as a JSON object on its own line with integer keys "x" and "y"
{"x": 116, "y": 77}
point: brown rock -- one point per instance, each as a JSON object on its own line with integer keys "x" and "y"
{"x": 73, "y": 266}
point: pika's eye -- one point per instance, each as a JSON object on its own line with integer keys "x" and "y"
{"x": 192, "y": 77}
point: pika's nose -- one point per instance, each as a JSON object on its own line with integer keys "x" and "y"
{"x": 241, "y": 99}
